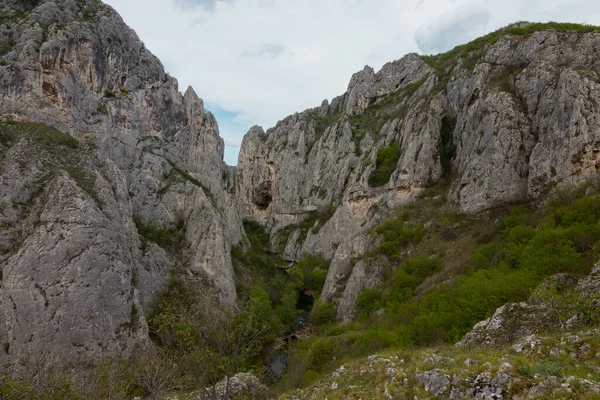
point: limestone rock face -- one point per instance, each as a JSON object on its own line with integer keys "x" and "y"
{"x": 76, "y": 277}
{"x": 503, "y": 123}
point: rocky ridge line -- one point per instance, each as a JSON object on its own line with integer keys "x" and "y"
{"x": 504, "y": 119}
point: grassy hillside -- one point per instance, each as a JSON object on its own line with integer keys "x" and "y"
{"x": 554, "y": 367}
{"x": 445, "y": 272}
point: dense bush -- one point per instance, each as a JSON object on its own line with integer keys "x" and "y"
{"x": 533, "y": 246}
{"x": 396, "y": 233}
{"x": 411, "y": 273}
{"x": 165, "y": 238}
{"x": 211, "y": 342}
{"x": 259, "y": 264}
{"x": 387, "y": 161}
{"x": 322, "y": 313}
{"x": 309, "y": 274}
{"x": 369, "y": 301}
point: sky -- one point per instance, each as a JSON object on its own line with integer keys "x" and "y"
{"x": 254, "y": 62}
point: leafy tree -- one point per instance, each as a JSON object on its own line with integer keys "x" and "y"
{"x": 309, "y": 274}
{"x": 369, "y": 301}
{"x": 322, "y": 313}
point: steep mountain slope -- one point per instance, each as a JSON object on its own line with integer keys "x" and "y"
{"x": 111, "y": 181}
{"x": 501, "y": 120}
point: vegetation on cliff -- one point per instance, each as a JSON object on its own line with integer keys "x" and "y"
{"x": 443, "y": 272}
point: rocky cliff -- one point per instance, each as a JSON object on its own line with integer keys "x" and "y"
{"x": 501, "y": 120}
{"x": 111, "y": 181}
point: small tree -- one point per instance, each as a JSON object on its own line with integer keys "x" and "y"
{"x": 369, "y": 301}
{"x": 322, "y": 313}
{"x": 234, "y": 341}
{"x": 213, "y": 343}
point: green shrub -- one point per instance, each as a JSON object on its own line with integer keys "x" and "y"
{"x": 387, "y": 162}
{"x": 422, "y": 266}
{"x": 211, "y": 343}
{"x": 103, "y": 109}
{"x": 561, "y": 238}
{"x": 397, "y": 233}
{"x": 309, "y": 274}
{"x": 257, "y": 235}
{"x": 5, "y": 47}
{"x": 411, "y": 273}
{"x": 166, "y": 238}
{"x": 125, "y": 94}
{"x": 335, "y": 331}
{"x": 544, "y": 369}
{"x": 369, "y": 301}
{"x": 403, "y": 286}
{"x": 322, "y": 313}
{"x": 321, "y": 353}
{"x": 287, "y": 311}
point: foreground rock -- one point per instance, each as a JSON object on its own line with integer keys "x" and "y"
{"x": 561, "y": 302}
{"x": 550, "y": 367}
{"x": 242, "y": 386}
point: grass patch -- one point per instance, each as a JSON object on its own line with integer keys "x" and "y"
{"x": 125, "y": 94}
{"x": 168, "y": 239}
{"x": 387, "y": 162}
{"x": 395, "y": 234}
{"x": 45, "y": 136}
{"x": 363, "y": 377}
{"x": 188, "y": 178}
{"x": 504, "y": 78}
{"x": 544, "y": 369}
{"x": 5, "y": 47}
{"x": 103, "y": 109}
{"x": 84, "y": 179}
{"x": 58, "y": 151}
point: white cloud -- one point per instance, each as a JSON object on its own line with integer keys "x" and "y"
{"x": 448, "y": 31}
{"x": 186, "y": 4}
{"x": 265, "y": 59}
{"x": 269, "y": 50}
